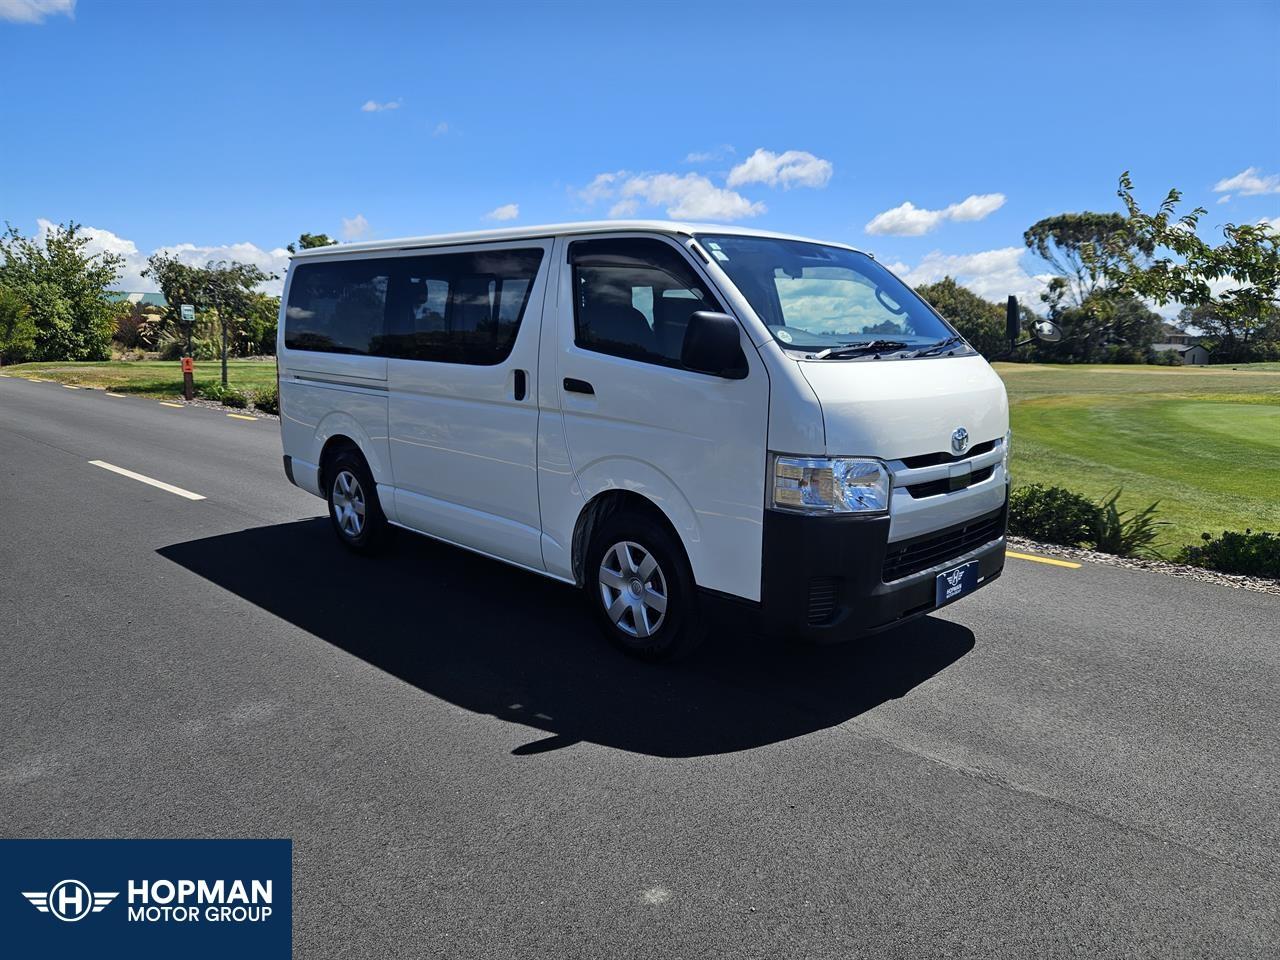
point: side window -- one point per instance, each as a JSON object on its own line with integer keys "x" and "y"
{"x": 633, "y": 298}
{"x": 336, "y": 306}
{"x": 458, "y": 307}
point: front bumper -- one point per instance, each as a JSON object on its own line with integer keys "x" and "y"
{"x": 824, "y": 578}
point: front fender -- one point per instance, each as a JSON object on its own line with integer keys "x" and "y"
{"x": 639, "y": 477}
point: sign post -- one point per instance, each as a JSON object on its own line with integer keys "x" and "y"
{"x": 188, "y": 314}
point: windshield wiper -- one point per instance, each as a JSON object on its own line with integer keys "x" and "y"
{"x": 938, "y": 347}
{"x": 859, "y": 349}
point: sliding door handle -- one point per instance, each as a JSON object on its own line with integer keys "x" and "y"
{"x": 521, "y": 384}
{"x": 578, "y": 386}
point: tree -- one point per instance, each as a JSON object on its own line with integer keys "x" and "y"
{"x": 1234, "y": 342}
{"x": 230, "y": 288}
{"x": 1075, "y": 245}
{"x": 1191, "y": 271}
{"x": 65, "y": 289}
{"x": 979, "y": 321}
{"x": 227, "y": 290}
{"x": 257, "y": 334}
{"x": 17, "y": 329}
{"x": 308, "y": 240}
{"x": 180, "y": 283}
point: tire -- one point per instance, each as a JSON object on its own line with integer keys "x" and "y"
{"x": 354, "y": 509}
{"x": 661, "y": 621}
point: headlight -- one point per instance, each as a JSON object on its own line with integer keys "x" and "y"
{"x": 830, "y": 485}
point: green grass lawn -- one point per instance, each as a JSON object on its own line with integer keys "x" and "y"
{"x": 1205, "y": 442}
{"x": 153, "y": 378}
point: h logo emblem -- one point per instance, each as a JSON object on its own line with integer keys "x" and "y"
{"x": 69, "y": 900}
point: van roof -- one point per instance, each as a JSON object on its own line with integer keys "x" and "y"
{"x": 549, "y": 230}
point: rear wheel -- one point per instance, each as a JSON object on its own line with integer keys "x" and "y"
{"x": 353, "y": 502}
{"x": 640, "y": 587}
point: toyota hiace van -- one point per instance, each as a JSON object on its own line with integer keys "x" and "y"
{"x": 675, "y": 418}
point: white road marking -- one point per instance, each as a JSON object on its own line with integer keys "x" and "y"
{"x": 166, "y": 403}
{"x": 240, "y": 416}
{"x": 120, "y": 395}
{"x": 67, "y": 386}
{"x": 141, "y": 479}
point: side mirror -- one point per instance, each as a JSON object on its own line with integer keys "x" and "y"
{"x": 1047, "y": 331}
{"x": 1012, "y": 321}
{"x": 711, "y": 346}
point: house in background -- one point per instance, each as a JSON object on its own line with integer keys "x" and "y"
{"x": 1189, "y": 347}
{"x": 1176, "y": 335}
{"x": 1192, "y": 354}
{"x": 138, "y": 299}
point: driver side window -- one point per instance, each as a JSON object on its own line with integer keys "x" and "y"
{"x": 633, "y": 298}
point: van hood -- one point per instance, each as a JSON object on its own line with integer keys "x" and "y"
{"x": 904, "y": 408}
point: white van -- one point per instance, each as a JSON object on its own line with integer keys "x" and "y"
{"x": 669, "y": 416}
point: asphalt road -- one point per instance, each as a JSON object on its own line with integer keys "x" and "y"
{"x": 1071, "y": 763}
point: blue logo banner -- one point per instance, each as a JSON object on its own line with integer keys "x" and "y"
{"x": 147, "y": 898}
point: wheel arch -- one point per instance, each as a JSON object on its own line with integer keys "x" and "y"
{"x": 334, "y": 445}
{"x": 605, "y": 504}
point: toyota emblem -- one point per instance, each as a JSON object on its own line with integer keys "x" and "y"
{"x": 960, "y": 440}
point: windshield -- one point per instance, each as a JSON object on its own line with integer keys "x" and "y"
{"x": 814, "y": 297}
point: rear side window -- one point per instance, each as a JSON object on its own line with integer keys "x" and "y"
{"x": 337, "y": 307}
{"x": 458, "y": 307}
{"x": 633, "y": 298}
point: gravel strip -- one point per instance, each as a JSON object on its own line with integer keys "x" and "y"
{"x": 1258, "y": 584}
{"x": 213, "y": 405}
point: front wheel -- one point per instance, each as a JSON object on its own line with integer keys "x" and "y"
{"x": 640, "y": 588}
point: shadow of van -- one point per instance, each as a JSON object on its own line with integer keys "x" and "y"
{"x": 497, "y": 640}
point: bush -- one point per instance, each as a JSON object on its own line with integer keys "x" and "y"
{"x": 227, "y": 396}
{"x": 1253, "y": 554}
{"x": 1056, "y": 515}
{"x": 267, "y": 400}
{"x": 1124, "y": 534}
{"x": 203, "y": 350}
{"x": 1053, "y": 515}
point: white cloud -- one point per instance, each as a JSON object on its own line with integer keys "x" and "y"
{"x": 508, "y": 211}
{"x": 1249, "y": 182}
{"x": 1272, "y": 222}
{"x": 603, "y": 187}
{"x": 373, "y": 106}
{"x": 710, "y": 156}
{"x": 1224, "y": 198}
{"x": 991, "y": 274}
{"x": 688, "y": 197}
{"x": 794, "y": 168}
{"x": 441, "y": 129}
{"x": 35, "y": 11}
{"x": 355, "y": 228}
{"x": 908, "y": 220}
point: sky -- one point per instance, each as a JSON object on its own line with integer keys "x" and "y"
{"x": 930, "y": 134}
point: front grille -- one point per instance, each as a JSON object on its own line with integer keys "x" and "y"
{"x": 935, "y": 487}
{"x": 822, "y": 599}
{"x": 920, "y": 553}
{"x": 933, "y": 459}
